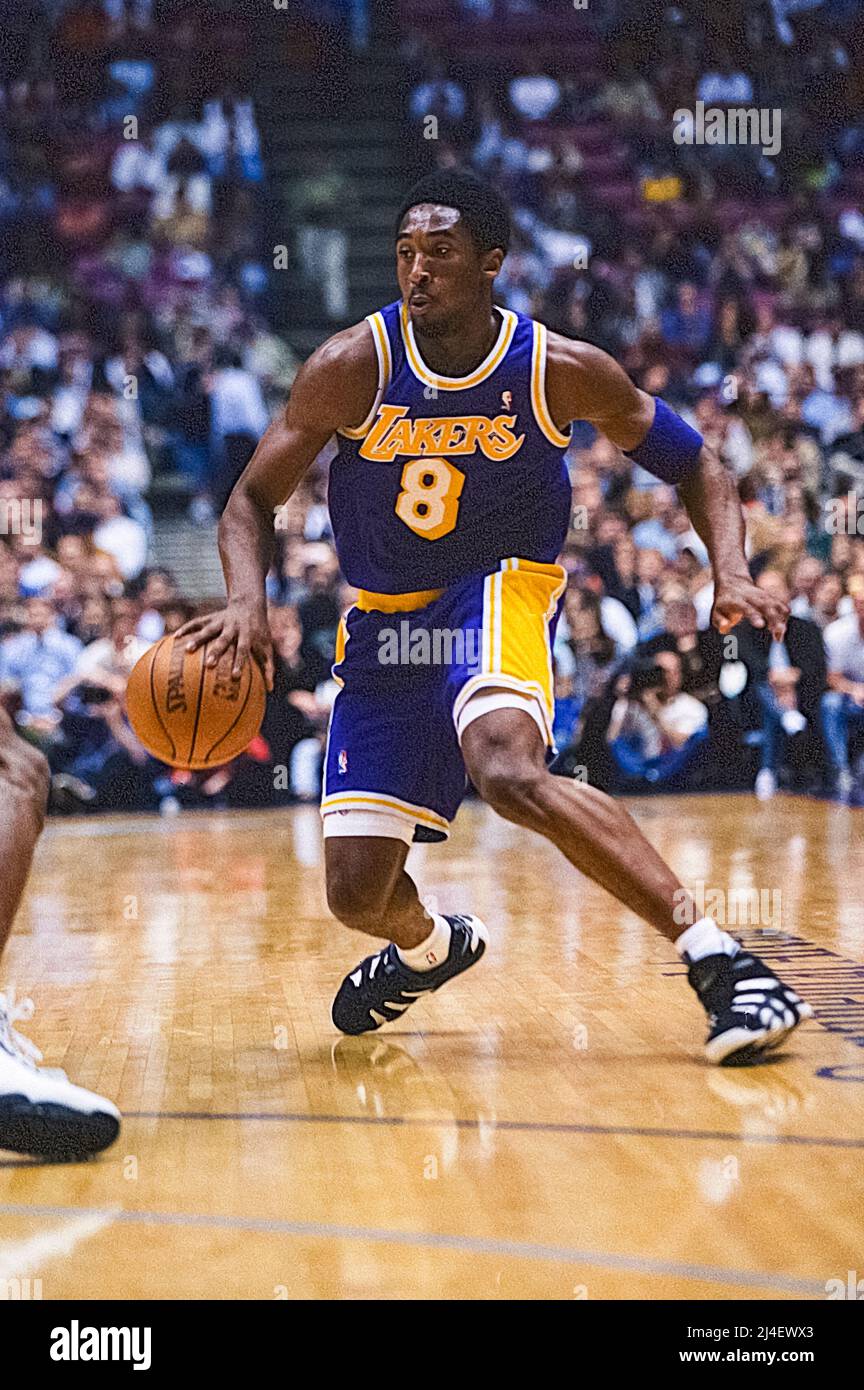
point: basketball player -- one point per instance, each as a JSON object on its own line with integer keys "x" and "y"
{"x": 450, "y": 500}
{"x": 41, "y": 1112}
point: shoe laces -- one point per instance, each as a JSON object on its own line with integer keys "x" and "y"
{"x": 14, "y": 1010}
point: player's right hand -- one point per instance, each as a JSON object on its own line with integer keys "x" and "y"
{"x": 245, "y": 629}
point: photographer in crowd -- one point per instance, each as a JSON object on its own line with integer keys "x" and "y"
{"x": 656, "y": 730}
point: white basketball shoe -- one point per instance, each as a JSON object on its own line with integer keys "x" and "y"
{"x": 41, "y": 1112}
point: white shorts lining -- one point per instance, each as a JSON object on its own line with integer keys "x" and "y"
{"x": 484, "y": 701}
{"x": 354, "y": 821}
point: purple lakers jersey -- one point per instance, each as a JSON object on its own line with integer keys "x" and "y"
{"x": 448, "y": 476}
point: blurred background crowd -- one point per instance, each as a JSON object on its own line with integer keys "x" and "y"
{"x": 138, "y": 270}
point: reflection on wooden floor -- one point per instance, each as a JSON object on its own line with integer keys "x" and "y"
{"x": 545, "y": 1128}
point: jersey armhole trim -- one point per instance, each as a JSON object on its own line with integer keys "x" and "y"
{"x": 385, "y": 370}
{"x": 538, "y": 390}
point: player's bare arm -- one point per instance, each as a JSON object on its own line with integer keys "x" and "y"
{"x": 334, "y": 389}
{"x": 585, "y": 383}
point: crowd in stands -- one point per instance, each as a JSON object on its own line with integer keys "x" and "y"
{"x": 134, "y": 341}
{"x": 727, "y": 280}
{"x": 134, "y": 338}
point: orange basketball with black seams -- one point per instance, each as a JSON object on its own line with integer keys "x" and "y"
{"x": 191, "y": 715}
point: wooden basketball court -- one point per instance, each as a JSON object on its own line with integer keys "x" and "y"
{"x": 544, "y": 1128}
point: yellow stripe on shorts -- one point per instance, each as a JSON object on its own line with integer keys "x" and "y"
{"x": 527, "y": 595}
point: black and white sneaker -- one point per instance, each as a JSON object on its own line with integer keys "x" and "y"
{"x": 383, "y": 987}
{"x": 749, "y": 1009}
{"x": 41, "y": 1112}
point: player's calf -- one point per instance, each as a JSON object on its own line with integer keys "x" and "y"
{"x": 357, "y": 904}
{"x": 362, "y": 874}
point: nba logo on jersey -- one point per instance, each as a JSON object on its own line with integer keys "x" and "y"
{"x": 343, "y": 761}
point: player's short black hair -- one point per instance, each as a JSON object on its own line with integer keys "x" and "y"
{"x": 481, "y": 207}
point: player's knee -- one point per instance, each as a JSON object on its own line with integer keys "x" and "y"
{"x": 504, "y": 769}
{"x": 513, "y": 789}
{"x": 357, "y": 899}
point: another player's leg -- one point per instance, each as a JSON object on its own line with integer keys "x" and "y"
{"x": 749, "y": 1008}
{"x": 369, "y": 891}
{"x": 41, "y": 1112}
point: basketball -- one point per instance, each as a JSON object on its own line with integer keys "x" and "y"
{"x": 191, "y": 715}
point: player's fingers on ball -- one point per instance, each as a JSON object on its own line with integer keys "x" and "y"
{"x": 219, "y": 645}
{"x": 241, "y": 656}
{"x": 193, "y": 629}
{"x": 207, "y": 633}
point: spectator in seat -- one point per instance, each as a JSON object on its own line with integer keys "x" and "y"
{"x": 788, "y": 678}
{"x": 656, "y": 728}
{"x": 284, "y": 765}
{"x": 438, "y": 96}
{"x": 695, "y": 649}
{"x": 804, "y": 582}
{"x": 843, "y": 702}
{"x": 238, "y": 417}
{"x": 119, "y": 536}
{"x": 657, "y": 531}
{"x": 686, "y": 324}
{"x": 35, "y": 661}
{"x": 583, "y": 660}
{"x": 829, "y": 602}
{"x": 108, "y": 661}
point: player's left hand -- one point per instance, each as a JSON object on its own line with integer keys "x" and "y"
{"x": 738, "y": 597}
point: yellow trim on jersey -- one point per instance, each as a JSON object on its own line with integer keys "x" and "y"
{"x": 385, "y": 371}
{"x": 538, "y": 390}
{"x": 396, "y": 603}
{"x": 519, "y": 602}
{"x": 382, "y": 801}
{"x": 457, "y": 383}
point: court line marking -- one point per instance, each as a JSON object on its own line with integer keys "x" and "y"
{"x": 519, "y": 1126}
{"x": 475, "y": 1245}
{"x": 19, "y": 1258}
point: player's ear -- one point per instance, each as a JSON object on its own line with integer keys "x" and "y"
{"x": 491, "y": 262}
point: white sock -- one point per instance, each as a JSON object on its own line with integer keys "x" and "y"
{"x": 705, "y": 938}
{"x": 431, "y": 952}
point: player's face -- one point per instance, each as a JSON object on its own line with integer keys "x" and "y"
{"x": 441, "y": 273}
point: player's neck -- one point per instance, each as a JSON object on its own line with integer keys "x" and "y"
{"x": 460, "y": 352}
